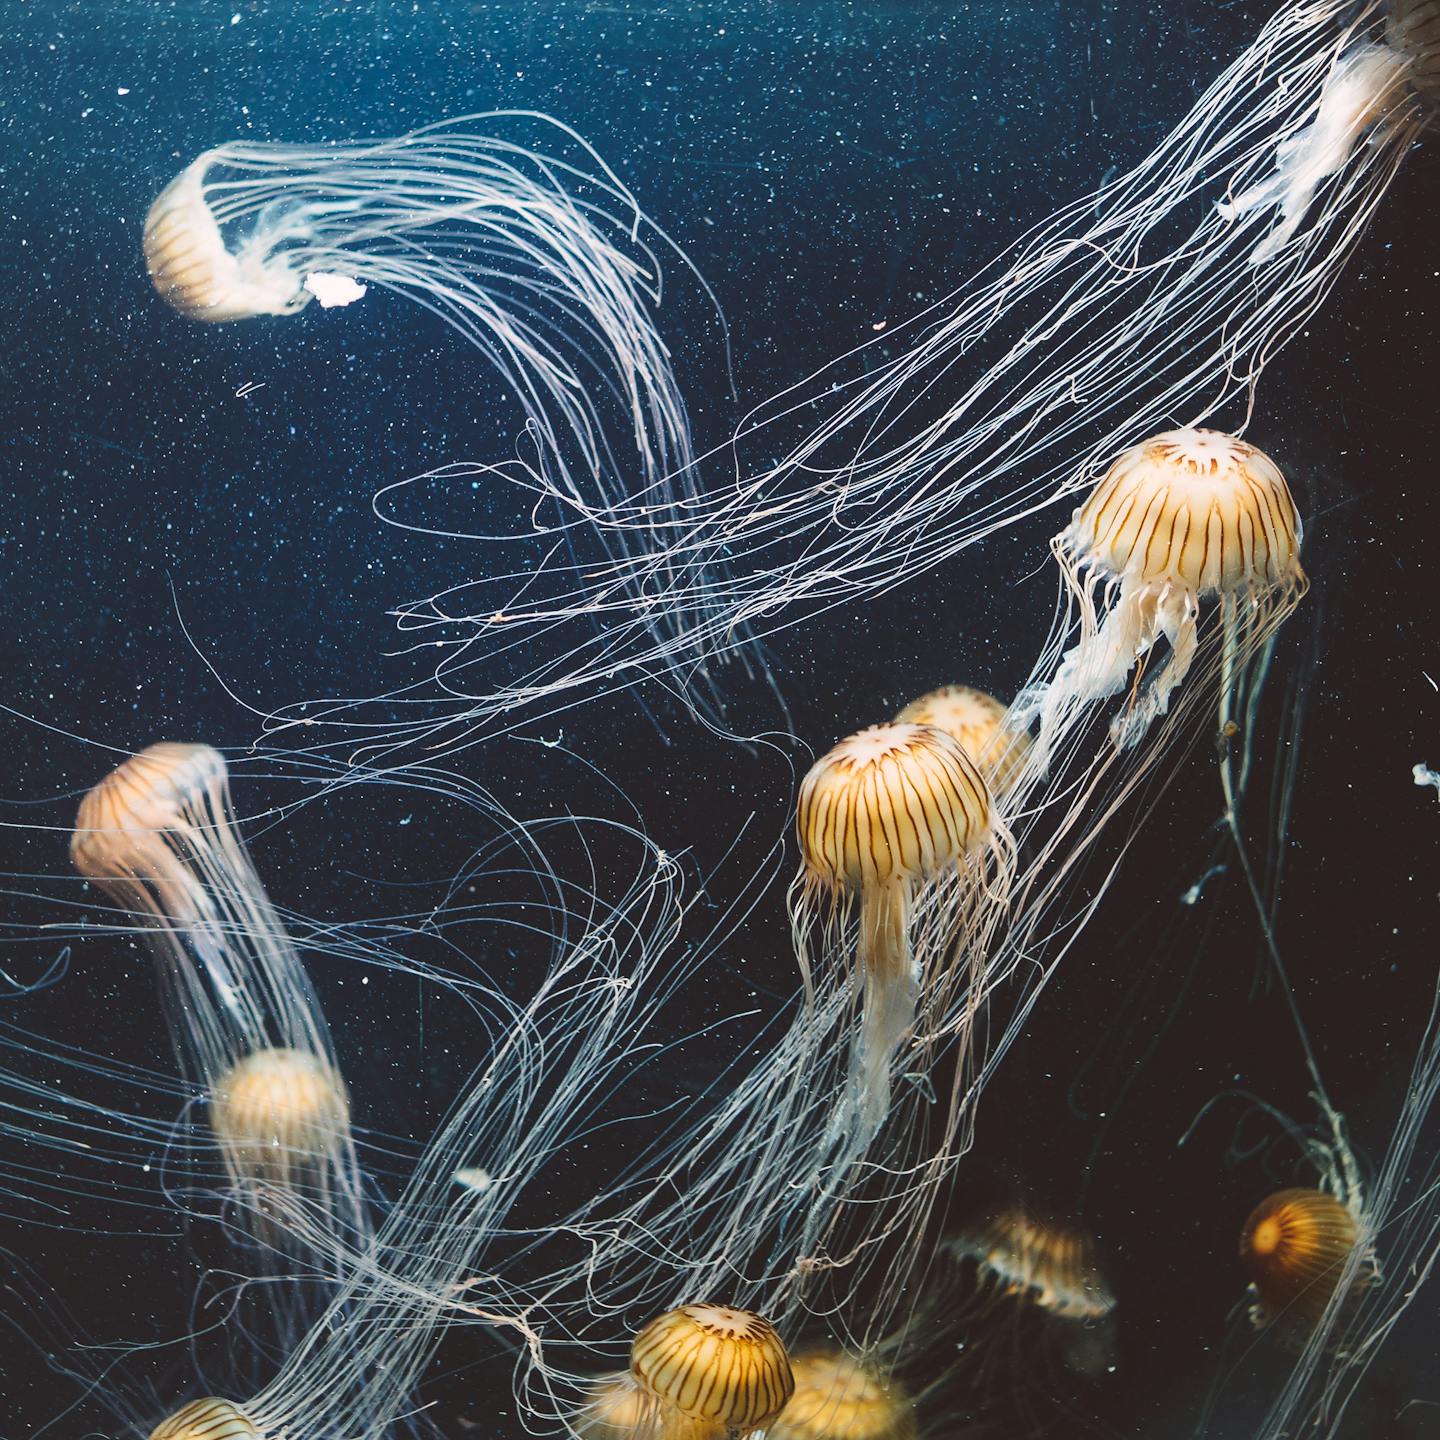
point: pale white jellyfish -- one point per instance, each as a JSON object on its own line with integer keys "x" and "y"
{"x": 1160, "y": 296}
{"x": 158, "y": 834}
{"x": 549, "y": 285}
{"x": 537, "y": 260}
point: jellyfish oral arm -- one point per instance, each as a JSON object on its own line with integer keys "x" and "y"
{"x": 1362, "y": 89}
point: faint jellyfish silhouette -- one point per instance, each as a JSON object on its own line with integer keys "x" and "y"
{"x": 839, "y": 1397}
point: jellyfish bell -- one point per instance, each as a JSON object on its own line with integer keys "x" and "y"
{"x": 978, "y": 722}
{"x": 1183, "y": 517}
{"x": 884, "y": 813}
{"x": 196, "y": 273}
{"x": 166, "y": 787}
{"x": 208, "y": 1419}
{"x": 839, "y": 1397}
{"x": 713, "y": 1370}
{"x": 1297, "y": 1247}
{"x": 277, "y": 1112}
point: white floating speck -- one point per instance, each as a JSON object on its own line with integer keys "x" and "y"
{"x": 332, "y": 290}
{"x": 1424, "y": 775}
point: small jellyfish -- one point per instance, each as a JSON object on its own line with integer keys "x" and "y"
{"x": 1296, "y": 1248}
{"x": 977, "y": 721}
{"x": 159, "y": 836}
{"x": 207, "y": 1419}
{"x": 1038, "y": 1261}
{"x": 839, "y": 1397}
{"x": 1185, "y": 516}
{"x": 713, "y": 1371}
{"x": 277, "y": 1112}
{"x": 884, "y": 814}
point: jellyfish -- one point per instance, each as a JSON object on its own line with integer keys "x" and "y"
{"x": 473, "y": 227}
{"x": 1187, "y": 516}
{"x": 713, "y": 1371}
{"x": 207, "y": 1419}
{"x": 1017, "y": 1309}
{"x": 277, "y": 1112}
{"x": 1038, "y": 1261}
{"x": 897, "y": 816}
{"x": 158, "y": 834}
{"x": 978, "y": 722}
{"x": 840, "y": 1397}
{"x": 1295, "y": 1247}
{"x": 536, "y": 260}
{"x": 1161, "y": 296}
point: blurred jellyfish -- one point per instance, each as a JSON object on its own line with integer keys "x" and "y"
{"x": 899, "y": 818}
{"x": 158, "y": 834}
{"x": 1164, "y": 293}
{"x": 713, "y": 1371}
{"x": 978, "y": 722}
{"x": 1017, "y": 1310}
{"x": 1187, "y": 516}
{"x": 1295, "y": 1247}
{"x": 617, "y": 1407}
{"x": 839, "y": 1397}
{"x": 1037, "y": 1261}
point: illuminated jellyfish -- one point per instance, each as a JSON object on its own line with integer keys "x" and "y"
{"x": 475, "y": 228}
{"x": 978, "y": 722}
{"x": 1159, "y": 297}
{"x": 1187, "y": 516}
{"x": 899, "y": 818}
{"x": 713, "y": 1371}
{"x": 1296, "y": 1247}
{"x": 840, "y": 1397}
{"x": 158, "y": 834}
{"x": 536, "y": 260}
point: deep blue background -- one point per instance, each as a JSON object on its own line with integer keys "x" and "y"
{"x": 826, "y": 166}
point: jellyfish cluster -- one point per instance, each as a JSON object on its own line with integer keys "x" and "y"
{"x": 800, "y": 1242}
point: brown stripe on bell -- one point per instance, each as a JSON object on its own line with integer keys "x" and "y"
{"x": 885, "y": 812}
{"x": 1295, "y": 1248}
{"x": 207, "y": 1419}
{"x": 713, "y": 1371}
{"x": 1197, "y": 509}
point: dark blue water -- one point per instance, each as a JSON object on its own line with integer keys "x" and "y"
{"x": 176, "y": 559}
